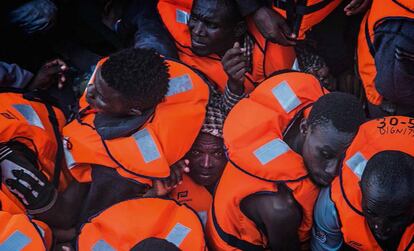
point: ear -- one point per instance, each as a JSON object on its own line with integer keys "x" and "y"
{"x": 240, "y": 29}
{"x": 135, "y": 112}
{"x": 303, "y": 127}
{"x": 107, "y": 8}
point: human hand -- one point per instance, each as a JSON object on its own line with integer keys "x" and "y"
{"x": 357, "y": 6}
{"x": 235, "y": 64}
{"x": 161, "y": 187}
{"x": 273, "y": 26}
{"x": 50, "y": 74}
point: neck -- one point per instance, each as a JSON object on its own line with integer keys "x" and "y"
{"x": 294, "y": 138}
{"x": 211, "y": 188}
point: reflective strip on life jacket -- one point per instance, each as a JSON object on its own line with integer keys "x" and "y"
{"x": 146, "y": 145}
{"x": 372, "y": 138}
{"x": 286, "y": 97}
{"x": 178, "y": 234}
{"x": 16, "y": 242}
{"x": 29, "y": 114}
{"x": 179, "y": 84}
{"x": 182, "y": 16}
{"x": 102, "y": 245}
{"x": 160, "y": 142}
{"x": 271, "y": 150}
{"x": 357, "y": 164}
{"x": 119, "y": 227}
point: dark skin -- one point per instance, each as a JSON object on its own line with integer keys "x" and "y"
{"x": 105, "y": 99}
{"x": 213, "y": 32}
{"x": 387, "y": 214}
{"x": 278, "y": 214}
{"x": 51, "y": 73}
{"x": 207, "y": 160}
{"x": 273, "y": 26}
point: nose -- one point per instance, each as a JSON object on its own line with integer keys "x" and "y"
{"x": 333, "y": 168}
{"x": 91, "y": 91}
{"x": 198, "y": 28}
{"x": 206, "y": 162}
{"x": 382, "y": 226}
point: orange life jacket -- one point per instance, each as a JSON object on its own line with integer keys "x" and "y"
{"x": 302, "y": 17}
{"x": 125, "y": 224}
{"x": 193, "y": 195}
{"x": 390, "y": 133}
{"x": 267, "y": 57}
{"x": 259, "y": 159}
{"x": 149, "y": 152}
{"x": 380, "y": 11}
{"x": 37, "y": 125}
{"x": 19, "y": 232}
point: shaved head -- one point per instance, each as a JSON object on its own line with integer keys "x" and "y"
{"x": 387, "y": 186}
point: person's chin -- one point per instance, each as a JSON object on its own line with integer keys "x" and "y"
{"x": 200, "y": 50}
{"x": 382, "y": 237}
{"x": 204, "y": 179}
{"x": 322, "y": 182}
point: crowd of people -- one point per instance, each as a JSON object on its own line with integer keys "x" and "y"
{"x": 207, "y": 125}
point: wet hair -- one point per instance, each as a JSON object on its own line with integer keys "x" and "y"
{"x": 392, "y": 172}
{"x": 140, "y": 75}
{"x": 342, "y": 109}
{"x": 153, "y": 243}
{"x": 231, "y": 9}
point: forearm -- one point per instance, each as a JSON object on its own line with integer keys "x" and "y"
{"x": 65, "y": 212}
{"x": 230, "y": 98}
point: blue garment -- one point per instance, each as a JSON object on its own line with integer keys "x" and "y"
{"x": 11, "y": 75}
{"x": 326, "y": 231}
{"x": 394, "y": 60}
{"x": 34, "y": 16}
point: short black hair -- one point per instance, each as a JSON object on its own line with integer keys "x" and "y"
{"x": 342, "y": 109}
{"x": 230, "y": 7}
{"x": 153, "y": 243}
{"x": 141, "y": 75}
{"x": 393, "y": 173}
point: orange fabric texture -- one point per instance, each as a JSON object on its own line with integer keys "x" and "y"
{"x": 266, "y": 57}
{"x": 373, "y": 137}
{"x": 167, "y": 136}
{"x": 125, "y": 224}
{"x": 28, "y": 122}
{"x": 379, "y": 12}
{"x": 193, "y": 195}
{"x": 312, "y": 18}
{"x": 253, "y": 135}
{"x": 18, "y": 232}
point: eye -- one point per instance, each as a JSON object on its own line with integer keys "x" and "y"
{"x": 211, "y": 26}
{"x": 326, "y": 155}
{"x": 218, "y": 154}
{"x": 195, "y": 152}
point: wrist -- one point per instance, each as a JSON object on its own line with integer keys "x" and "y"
{"x": 235, "y": 88}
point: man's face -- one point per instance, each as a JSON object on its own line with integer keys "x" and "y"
{"x": 386, "y": 218}
{"x": 105, "y": 99}
{"x": 210, "y": 31}
{"x": 323, "y": 150}
{"x": 207, "y": 159}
